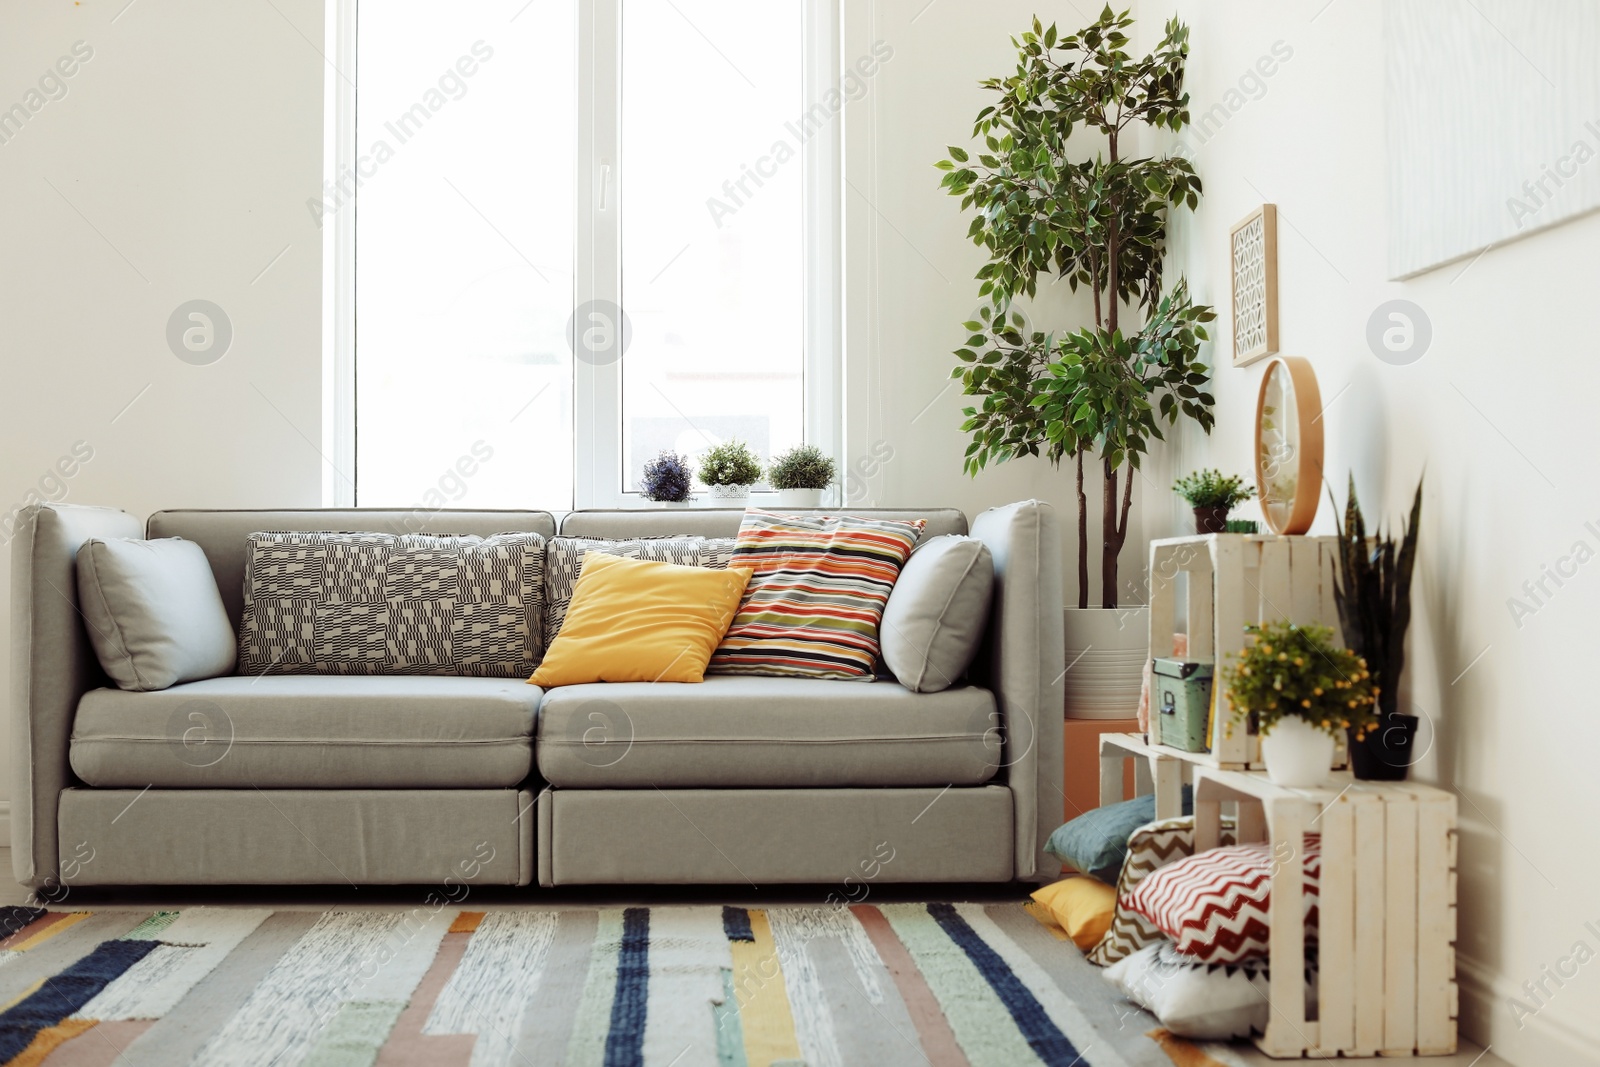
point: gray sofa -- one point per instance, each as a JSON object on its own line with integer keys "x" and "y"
{"x": 416, "y": 780}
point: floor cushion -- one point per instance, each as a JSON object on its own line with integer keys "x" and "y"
{"x": 1096, "y": 842}
{"x": 1081, "y": 906}
{"x": 1203, "y": 1001}
{"x": 1214, "y": 906}
{"x": 1150, "y": 848}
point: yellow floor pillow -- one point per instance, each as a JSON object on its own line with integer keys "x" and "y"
{"x": 637, "y": 621}
{"x": 1083, "y": 907}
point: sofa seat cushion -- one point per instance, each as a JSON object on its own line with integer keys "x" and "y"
{"x": 748, "y": 732}
{"x": 309, "y": 732}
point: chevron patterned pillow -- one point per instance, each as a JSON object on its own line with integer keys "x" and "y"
{"x": 1214, "y": 906}
{"x": 1150, "y": 848}
{"x": 379, "y": 603}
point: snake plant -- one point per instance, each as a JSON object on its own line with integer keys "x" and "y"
{"x": 1373, "y": 593}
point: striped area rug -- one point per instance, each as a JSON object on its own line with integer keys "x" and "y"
{"x": 946, "y": 985}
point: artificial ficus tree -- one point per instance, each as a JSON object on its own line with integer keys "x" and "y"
{"x": 1100, "y": 223}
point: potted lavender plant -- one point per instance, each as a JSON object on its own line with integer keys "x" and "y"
{"x": 666, "y": 480}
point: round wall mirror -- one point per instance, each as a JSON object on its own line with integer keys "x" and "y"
{"x": 1289, "y": 445}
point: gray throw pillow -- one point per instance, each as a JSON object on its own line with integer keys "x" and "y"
{"x": 154, "y": 615}
{"x": 937, "y": 613}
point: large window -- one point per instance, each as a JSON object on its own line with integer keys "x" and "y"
{"x": 585, "y": 231}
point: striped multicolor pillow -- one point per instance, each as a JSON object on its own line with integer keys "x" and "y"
{"x": 817, "y": 589}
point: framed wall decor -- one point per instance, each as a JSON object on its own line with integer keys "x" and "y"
{"x": 1253, "y": 250}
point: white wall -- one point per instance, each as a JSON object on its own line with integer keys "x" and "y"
{"x": 176, "y": 167}
{"x": 1500, "y": 412}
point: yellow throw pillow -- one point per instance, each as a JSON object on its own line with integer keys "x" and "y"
{"x": 636, "y": 621}
{"x": 1083, "y": 906}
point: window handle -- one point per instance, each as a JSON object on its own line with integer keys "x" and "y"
{"x": 605, "y": 185}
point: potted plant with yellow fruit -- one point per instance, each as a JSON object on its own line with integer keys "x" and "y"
{"x": 1303, "y": 692}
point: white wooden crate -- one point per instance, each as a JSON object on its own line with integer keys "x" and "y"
{"x": 1387, "y": 911}
{"x": 1235, "y": 579}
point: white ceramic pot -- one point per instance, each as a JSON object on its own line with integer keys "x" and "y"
{"x": 687, "y": 502}
{"x": 1298, "y": 754}
{"x": 799, "y": 498}
{"x": 730, "y": 494}
{"x": 1106, "y": 652}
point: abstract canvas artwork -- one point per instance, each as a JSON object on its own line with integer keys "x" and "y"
{"x": 1493, "y": 123}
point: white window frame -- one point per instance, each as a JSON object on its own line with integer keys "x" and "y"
{"x": 597, "y": 266}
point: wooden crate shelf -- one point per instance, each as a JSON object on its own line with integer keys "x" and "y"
{"x": 1386, "y": 901}
{"x": 1235, "y": 579}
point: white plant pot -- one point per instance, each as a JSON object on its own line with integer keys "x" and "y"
{"x": 730, "y": 494}
{"x": 799, "y": 498}
{"x": 1106, "y": 652}
{"x": 1298, "y": 754}
{"x": 675, "y": 504}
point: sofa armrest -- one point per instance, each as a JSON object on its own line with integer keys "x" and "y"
{"x": 1026, "y": 667}
{"x": 52, "y": 665}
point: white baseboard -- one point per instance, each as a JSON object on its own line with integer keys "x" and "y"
{"x": 1553, "y": 1035}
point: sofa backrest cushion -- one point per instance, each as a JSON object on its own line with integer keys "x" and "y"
{"x": 224, "y": 535}
{"x": 153, "y": 613}
{"x": 705, "y": 522}
{"x": 377, "y": 603}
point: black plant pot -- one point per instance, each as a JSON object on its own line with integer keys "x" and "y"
{"x": 1210, "y": 520}
{"x": 1387, "y": 753}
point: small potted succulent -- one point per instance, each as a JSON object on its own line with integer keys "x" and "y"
{"x": 1303, "y": 692}
{"x": 1212, "y": 495}
{"x": 729, "y": 470}
{"x": 666, "y": 480}
{"x": 800, "y": 475}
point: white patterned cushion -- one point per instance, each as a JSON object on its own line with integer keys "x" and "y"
{"x": 374, "y": 603}
{"x": 1215, "y": 905}
{"x": 1204, "y": 1001}
{"x": 564, "y": 562}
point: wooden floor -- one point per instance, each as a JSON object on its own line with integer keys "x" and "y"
{"x": 319, "y": 897}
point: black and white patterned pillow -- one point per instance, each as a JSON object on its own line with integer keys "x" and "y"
{"x": 564, "y": 562}
{"x": 373, "y": 603}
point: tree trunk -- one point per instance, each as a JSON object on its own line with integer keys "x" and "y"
{"x": 1114, "y": 531}
{"x": 1083, "y": 538}
{"x": 1110, "y": 539}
